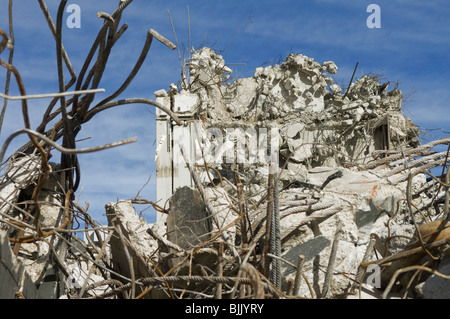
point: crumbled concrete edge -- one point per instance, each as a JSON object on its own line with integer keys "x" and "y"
{"x": 300, "y": 99}
{"x": 15, "y": 282}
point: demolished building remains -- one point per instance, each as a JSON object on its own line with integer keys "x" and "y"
{"x": 280, "y": 185}
{"x": 346, "y": 158}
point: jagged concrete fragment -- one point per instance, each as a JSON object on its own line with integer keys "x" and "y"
{"x": 431, "y": 232}
{"x": 309, "y": 250}
{"x": 222, "y": 210}
{"x": 188, "y": 223}
{"x": 15, "y": 281}
{"x": 130, "y": 244}
{"x": 16, "y": 189}
{"x": 320, "y": 125}
{"x": 207, "y": 67}
{"x": 334, "y": 150}
{"x": 20, "y": 174}
{"x": 437, "y": 287}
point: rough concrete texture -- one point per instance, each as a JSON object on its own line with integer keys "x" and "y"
{"x": 17, "y": 185}
{"x": 131, "y": 244}
{"x": 16, "y": 179}
{"x": 15, "y": 281}
{"x": 301, "y": 99}
{"x": 129, "y": 228}
{"x": 324, "y": 132}
{"x": 188, "y": 223}
{"x": 340, "y": 171}
{"x": 438, "y": 286}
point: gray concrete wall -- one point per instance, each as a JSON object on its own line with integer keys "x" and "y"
{"x": 12, "y": 274}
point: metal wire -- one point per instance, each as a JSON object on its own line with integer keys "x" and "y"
{"x": 275, "y": 237}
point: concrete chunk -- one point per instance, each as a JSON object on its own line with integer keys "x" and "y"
{"x": 188, "y": 223}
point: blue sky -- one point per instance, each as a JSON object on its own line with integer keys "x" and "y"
{"x": 411, "y": 47}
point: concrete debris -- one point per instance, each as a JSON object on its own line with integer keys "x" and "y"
{"x": 308, "y": 108}
{"x": 343, "y": 158}
{"x": 16, "y": 178}
{"x": 129, "y": 228}
{"x": 16, "y": 283}
{"x": 19, "y": 182}
{"x": 188, "y": 224}
{"x": 130, "y": 243}
{"x": 283, "y": 177}
{"x": 437, "y": 287}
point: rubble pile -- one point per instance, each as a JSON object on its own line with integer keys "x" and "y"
{"x": 303, "y": 101}
{"x": 347, "y": 158}
{"x": 343, "y": 205}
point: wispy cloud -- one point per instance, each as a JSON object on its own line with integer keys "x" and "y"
{"x": 429, "y": 107}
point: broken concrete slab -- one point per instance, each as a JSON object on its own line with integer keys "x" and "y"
{"x": 15, "y": 281}
{"x": 323, "y": 132}
{"x": 20, "y": 173}
{"x": 130, "y": 244}
{"x": 437, "y": 286}
{"x": 340, "y": 157}
{"x": 309, "y": 250}
{"x": 188, "y": 222}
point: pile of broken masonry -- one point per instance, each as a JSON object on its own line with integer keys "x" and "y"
{"x": 350, "y": 211}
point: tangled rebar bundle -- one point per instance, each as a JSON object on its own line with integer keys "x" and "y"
{"x": 29, "y": 211}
